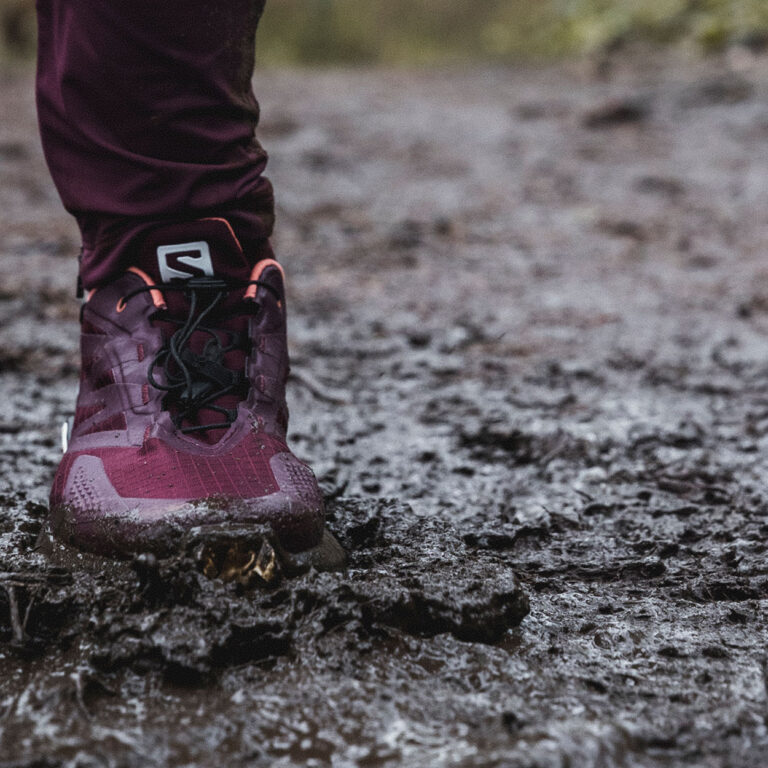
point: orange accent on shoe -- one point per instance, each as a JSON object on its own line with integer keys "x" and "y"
{"x": 256, "y": 274}
{"x": 89, "y": 295}
{"x": 157, "y": 296}
{"x": 229, "y": 227}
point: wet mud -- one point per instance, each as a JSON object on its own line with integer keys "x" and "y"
{"x": 529, "y": 331}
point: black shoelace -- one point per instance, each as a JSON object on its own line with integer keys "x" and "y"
{"x": 194, "y": 382}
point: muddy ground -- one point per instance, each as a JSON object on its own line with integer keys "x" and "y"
{"x": 530, "y": 336}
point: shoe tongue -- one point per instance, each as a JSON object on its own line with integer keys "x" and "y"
{"x": 206, "y": 247}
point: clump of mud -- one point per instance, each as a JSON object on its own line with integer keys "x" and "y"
{"x": 404, "y": 573}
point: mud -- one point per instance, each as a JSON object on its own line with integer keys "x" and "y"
{"x": 528, "y": 325}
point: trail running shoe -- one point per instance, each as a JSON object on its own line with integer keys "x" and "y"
{"x": 181, "y": 416}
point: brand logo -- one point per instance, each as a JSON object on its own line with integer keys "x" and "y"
{"x": 185, "y": 260}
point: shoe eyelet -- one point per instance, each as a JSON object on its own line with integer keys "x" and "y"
{"x": 120, "y": 305}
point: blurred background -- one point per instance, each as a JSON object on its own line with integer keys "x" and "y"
{"x": 424, "y": 32}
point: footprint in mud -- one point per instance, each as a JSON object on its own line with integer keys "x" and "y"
{"x": 404, "y": 573}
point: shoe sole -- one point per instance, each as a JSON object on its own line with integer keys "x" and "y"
{"x": 228, "y": 547}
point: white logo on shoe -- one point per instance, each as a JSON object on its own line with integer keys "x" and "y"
{"x": 194, "y": 257}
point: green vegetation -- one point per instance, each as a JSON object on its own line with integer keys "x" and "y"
{"x": 428, "y": 31}
{"x": 434, "y": 31}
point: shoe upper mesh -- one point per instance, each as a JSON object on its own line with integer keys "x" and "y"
{"x": 156, "y": 470}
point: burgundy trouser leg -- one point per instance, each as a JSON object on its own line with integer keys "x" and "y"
{"x": 147, "y": 115}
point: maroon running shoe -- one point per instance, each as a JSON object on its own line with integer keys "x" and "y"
{"x": 181, "y": 416}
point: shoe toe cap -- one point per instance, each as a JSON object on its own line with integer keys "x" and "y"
{"x": 88, "y": 512}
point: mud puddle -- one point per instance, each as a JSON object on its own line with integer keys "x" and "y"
{"x": 528, "y": 321}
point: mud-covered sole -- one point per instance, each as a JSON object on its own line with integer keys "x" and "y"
{"x": 233, "y": 552}
{"x": 289, "y": 525}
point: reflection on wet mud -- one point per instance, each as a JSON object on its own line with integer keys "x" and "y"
{"x": 530, "y": 336}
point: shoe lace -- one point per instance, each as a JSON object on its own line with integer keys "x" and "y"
{"x": 195, "y": 381}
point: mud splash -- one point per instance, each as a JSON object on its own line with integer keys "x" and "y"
{"x": 531, "y": 375}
